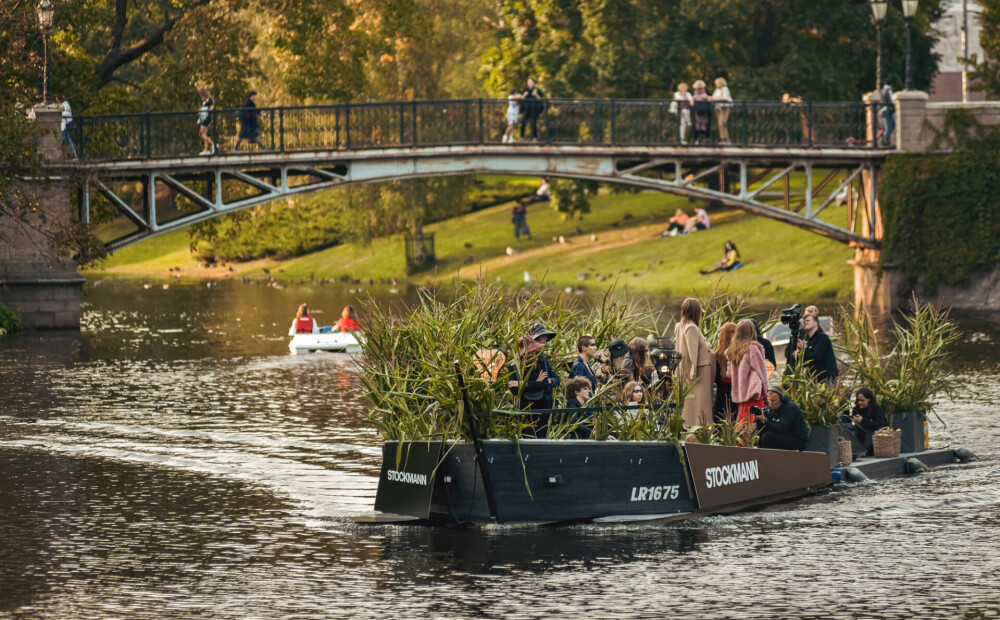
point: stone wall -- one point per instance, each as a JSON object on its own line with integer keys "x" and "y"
{"x": 38, "y": 280}
{"x": 914, "y": 113}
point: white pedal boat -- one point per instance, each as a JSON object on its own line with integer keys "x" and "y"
{"x": 328, "y": 341}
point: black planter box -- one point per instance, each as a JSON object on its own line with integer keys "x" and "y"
{"x": 825, "y": 439}
{"x": 912, "y": 425}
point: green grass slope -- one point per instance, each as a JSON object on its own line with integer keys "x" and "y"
{"x": 780, "y": 260}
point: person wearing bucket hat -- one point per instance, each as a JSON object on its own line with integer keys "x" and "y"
{"x": 613, "y": 365}
{"x": 535, "y": 391}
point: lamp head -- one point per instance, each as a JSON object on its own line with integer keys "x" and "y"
{"x": 910, "y": 8}
{"x": 879, "y": 7}
{"x": 46, "y": 10}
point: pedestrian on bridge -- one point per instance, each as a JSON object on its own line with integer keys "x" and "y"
{"x": 513, "y": 109}
{"x": 702, "y": 112}
{"x": 204, "y": 120}
{"x": 723, "y": 102}
{"x": 888, "y": 112}
{"x": 249, "y": 117}
{"x": 682, "y": 107}
{"x": 67, "y": 122}
{"x": 532, "y": 104}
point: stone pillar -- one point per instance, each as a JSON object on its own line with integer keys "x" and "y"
{"x": 38, "y": 280}
{"x": 911, "y": 112}
{"x": 873, "y": 286}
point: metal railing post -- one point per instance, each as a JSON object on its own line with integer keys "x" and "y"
{"x": 402, "y": 123}
{"x": 413, "y": 105}
{"x": 480, "y": 120}
{"x": 148, "y": 134}
{"x": 347, "y": 126}
{"x": 746, "y": 124}
{"x": 613, "y": 122}
{"x": 281, "y": 128}
{"x": 215, "y": 128}
{"x": 809, "y": 122}
{"x": 271, "y": 115}
{"x": 465, "y": 104}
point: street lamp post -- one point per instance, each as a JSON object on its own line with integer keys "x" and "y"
{"x": 879, "y": 8}
{"x": 909, "y": 12}
{"x": 46, "y": 11}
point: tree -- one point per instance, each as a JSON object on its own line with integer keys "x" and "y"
{"x": 985, "y": 74}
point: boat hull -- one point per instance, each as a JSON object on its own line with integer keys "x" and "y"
{"x": 331, "y": 341}
{"x": 548, "y": 481}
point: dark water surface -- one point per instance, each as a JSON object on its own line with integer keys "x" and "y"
{"x": 173, "y": 461}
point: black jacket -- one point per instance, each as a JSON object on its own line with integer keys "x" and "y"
{"x": 872, "y": 417}
{"x": 248, "y": 119}
{"x": 768, "y": 350}
{"x": 819, "y": 355}
{"x": 786, "y": 420}
{"x": 537, "y": 393}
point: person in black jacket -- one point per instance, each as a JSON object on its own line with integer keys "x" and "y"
{"x": 818, "y": 351}
{"x": 866, "y": 418}
{"x": 782, "y": 424}
{"x": 539, "y": 378}
{"x": 249, "y": 122}
{"x": 532, "y": 105}
{"x": 764, "y": 342}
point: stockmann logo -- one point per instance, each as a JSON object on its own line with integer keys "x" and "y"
{"x": 731, "y": 474}
{"x": 408, "y": 477}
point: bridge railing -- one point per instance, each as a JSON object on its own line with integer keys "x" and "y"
{"x": 598, "y": 122}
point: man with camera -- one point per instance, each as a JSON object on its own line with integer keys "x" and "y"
{"x": 816, "y": 345}
{"x": 782, "y": 424}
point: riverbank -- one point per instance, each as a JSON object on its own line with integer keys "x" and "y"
{"x": 619, "y": 241}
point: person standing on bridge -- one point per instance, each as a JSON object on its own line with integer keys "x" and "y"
{"x": 204, "y": 120}
{"x": 67, "y": 122}
{"x": 723, "y": 104}
{"x": 888, "y": 112}
{"x": 702, "y": 112}
{"x": 249, "y": 117}
{"x": 682, "y": 107}
{"x": 513, "y": 109}
{"x": 532, "y": 104}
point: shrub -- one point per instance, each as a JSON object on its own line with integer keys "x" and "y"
{"x": 10, "y": 320}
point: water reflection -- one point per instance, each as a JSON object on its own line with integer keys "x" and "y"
{"x": 174, "y": 461}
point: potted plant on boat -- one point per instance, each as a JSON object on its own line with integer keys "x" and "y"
{"x": 822, "y": 405}
{"x": 907, "y": 379}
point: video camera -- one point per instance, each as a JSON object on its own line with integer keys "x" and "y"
{"x": 792, "y": 317}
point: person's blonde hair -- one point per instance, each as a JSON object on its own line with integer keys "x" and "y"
{"x": 725, "y": 339}
{"x": 701, "y": 82}
{"x": 691, "y": 310}
{"x": 744, "y": 338}
{"x": 813, "y": 310}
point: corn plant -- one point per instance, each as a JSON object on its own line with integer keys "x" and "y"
{"x": 914, "y": 371}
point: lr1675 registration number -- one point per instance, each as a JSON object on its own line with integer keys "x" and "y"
{"x": 654, "y": 494}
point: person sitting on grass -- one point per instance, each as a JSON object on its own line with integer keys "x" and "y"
{"x": 730, "y": 260}
{"x": 698, "y": 221}
{"x": 677, "y": 224}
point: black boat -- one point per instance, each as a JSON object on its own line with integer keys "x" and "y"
{"x": 545, "y": 481}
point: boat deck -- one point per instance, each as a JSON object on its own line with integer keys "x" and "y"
{"x": 876, "y": 468}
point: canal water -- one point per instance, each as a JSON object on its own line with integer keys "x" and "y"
{"x": 173, "y": 461}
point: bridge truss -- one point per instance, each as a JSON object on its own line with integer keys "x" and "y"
{"x": 831, "y": 192}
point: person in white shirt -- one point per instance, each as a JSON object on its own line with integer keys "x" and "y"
{"x": 722, "y": 107}
{"x": 682, "y": 104}
{"x": 513, "y": 109}
{"x": 67, "y": 123}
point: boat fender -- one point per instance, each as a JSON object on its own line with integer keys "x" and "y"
{"x": 965, "y": 455}
{"x": 855, "y": 475}
{"x": 555, "y": 480}
{"x": 914, "y": 466}
{"x": 837, "y": 475}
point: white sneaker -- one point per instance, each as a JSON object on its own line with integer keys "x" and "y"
{"x": 205, "y": 152}
{"x": 673, "y": 233}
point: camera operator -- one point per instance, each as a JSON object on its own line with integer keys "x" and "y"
{"x": 818, "y": 350}
{"x": 792, "y": 317}
{"x": 782, "y": 424}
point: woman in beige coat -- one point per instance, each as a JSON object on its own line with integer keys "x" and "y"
{"x": 697, "y": 363}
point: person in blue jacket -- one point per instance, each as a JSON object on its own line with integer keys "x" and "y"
{"x": 586, "y": 347}
{"x": 535, "y": 390}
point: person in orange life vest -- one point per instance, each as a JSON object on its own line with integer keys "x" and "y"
{"x": 303, "y": 323}
{"x": 348, "y": 321}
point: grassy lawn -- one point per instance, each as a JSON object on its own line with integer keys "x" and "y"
{"x": 780, "y": 260}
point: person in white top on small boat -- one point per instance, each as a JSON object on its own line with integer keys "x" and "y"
{"x": 303, "y": 322}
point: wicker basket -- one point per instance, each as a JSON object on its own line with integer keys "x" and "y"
{"x": 846, "y": 452}
{"x": 886, "y": 442}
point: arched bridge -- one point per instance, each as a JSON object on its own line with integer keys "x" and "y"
{"x": 789, "y": 162}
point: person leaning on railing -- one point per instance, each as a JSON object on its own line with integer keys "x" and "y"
{"x": 782, "y": 425}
